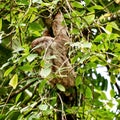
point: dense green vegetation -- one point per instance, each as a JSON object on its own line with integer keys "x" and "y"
{"x": 94, "y": 28}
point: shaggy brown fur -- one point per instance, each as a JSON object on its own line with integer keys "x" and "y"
{"x": 61, "y": 66}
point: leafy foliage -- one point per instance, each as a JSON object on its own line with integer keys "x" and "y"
{"x": 95, "y": 32}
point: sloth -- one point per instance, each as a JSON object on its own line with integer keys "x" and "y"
{"x": 56, "y": 46}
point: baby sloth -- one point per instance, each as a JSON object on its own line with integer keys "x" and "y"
{"x": 61, "y": 67}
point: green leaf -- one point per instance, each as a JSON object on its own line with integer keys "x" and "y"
{"x": 106, "y": 45}
{"x": 97, "y": 7}
{"x": 78, "y": 81}
{"x": 110, "y": 104}
{"x": 13, "y": 115}
{"x": 75, "y": 31}
{"x": 113, "y": 36}
{"x": 37, "y": 1}
{"x": 74, "y": 59}
{"x": 103, "y": 114}
{"x": 42, "y": 86}
{"x": 86, "y": 45}
{"x": 46, "y": 4}
{"x": 26, "y": 67}
{"x": 51, "y": 57}
{"x": 45, "y": 72}
{"x": 2, "y": 116}
{"x": 85, "y": 57}
{"x": 8, "y": 71}
{"x": 47, "y": 112}
{"x": 42, "y": 63}
{"x": 32, "y": 18}
{"x": 35, "y": 26}
{"x": 14, "y": 81}
{"x": 43, "y": 107}
{"x": 87, "y": 2}
{"x": 89, "y": 18}
{"x": 112, "y": 93}
{"x": 18, "y": 97}
{"x": 114, "y": 25}
{"x": 55, "y": 2}
{"x": 60, "y": 87}
{"x": 75, "y": 14}
{"x": 101, "y": 47}
{"x": 109, "y": 28}
{"x": 103, "y": 96}
{"x": 45, "y": 63}
{"x": 77, "y": 4}
{"x": 18, "y": 49}
{"x": 72, "y": 110}
{"x": 88, "y": 93}
{"x": 100, "y": 37}
{"x": 31, "y": 57}
{"x": 22, "y": 2}
{"x": 112, "y": 79}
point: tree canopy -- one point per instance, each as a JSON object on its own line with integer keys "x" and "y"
{"x": 94, "y": 52}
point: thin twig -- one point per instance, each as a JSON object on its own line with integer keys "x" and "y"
{"x": 6, "y": 102}
{"x": 63, "y": 113}
{"x": 20, "y": 90}
{"x": 7, "y": 35}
